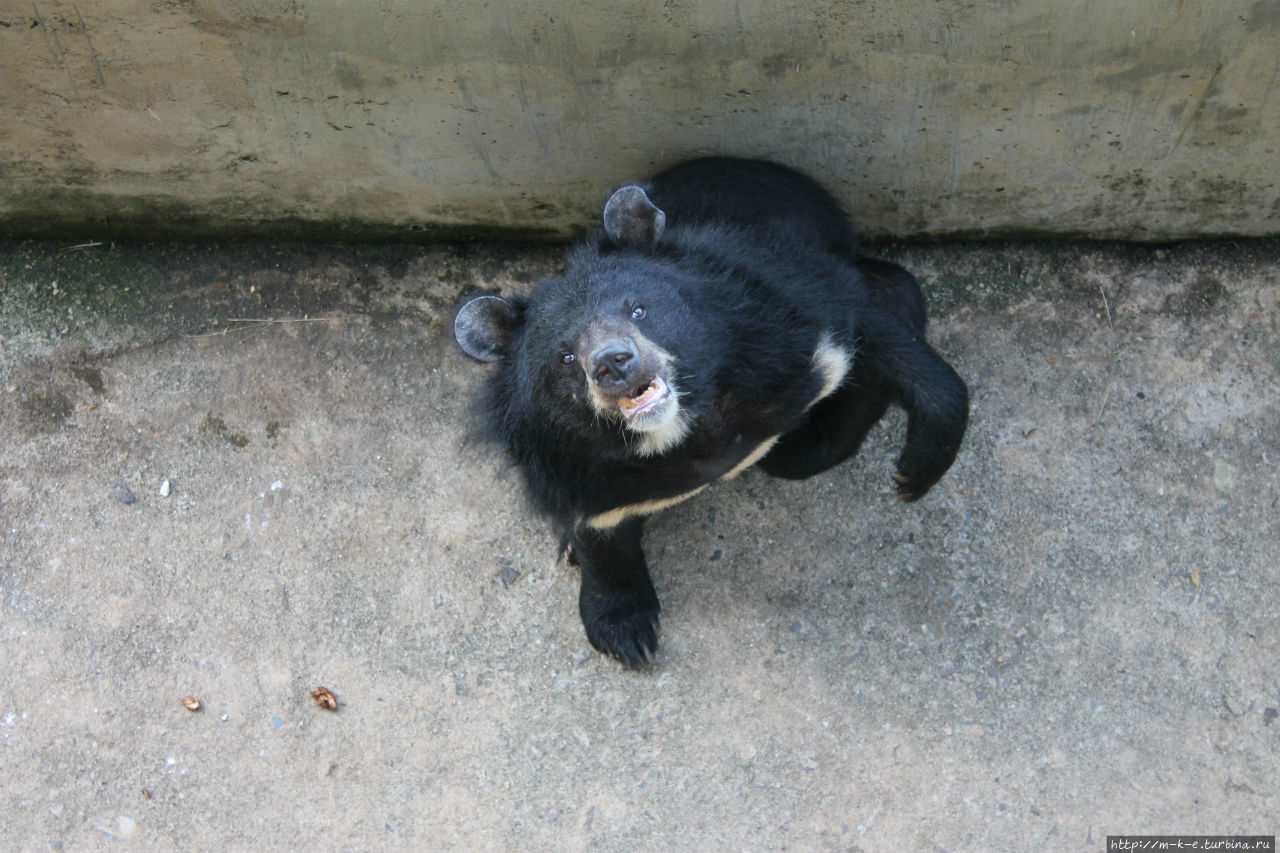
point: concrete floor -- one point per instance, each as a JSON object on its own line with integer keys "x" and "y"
{"x": 1076, "y": 634}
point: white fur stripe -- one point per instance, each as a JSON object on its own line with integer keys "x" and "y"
{"x": 832, "y": 362}
{"x": 753, "y": 457}
{"x": 614, "y": 517}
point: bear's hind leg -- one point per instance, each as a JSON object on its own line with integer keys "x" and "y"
{"x": 617, "y": 602}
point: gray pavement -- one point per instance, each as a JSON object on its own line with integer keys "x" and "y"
{"x": 1076, "y": 634}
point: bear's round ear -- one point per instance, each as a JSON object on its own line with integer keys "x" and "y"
{"x": 484, "y": 326}
{"x": 630, "y": 219}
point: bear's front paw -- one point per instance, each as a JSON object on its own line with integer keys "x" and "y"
{"x": 624, "y": 628}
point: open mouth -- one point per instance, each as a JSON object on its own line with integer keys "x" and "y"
{"x": 645, "y": 398}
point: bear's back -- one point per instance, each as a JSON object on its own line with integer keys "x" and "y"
{"x": 754, "y": 195}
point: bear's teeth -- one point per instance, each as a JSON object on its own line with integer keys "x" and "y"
{"x": 646, "y": 394}
{"x": 633, "y": 400}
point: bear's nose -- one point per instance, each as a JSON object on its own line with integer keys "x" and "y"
{"x": 613, "y": 365}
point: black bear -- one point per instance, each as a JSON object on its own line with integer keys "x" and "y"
{"x": 722, "y": 318}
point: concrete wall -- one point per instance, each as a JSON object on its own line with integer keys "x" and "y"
{"x": 1116, "y": 118}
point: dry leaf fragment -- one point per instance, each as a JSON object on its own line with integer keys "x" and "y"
{"x": 146, "y": 793}
{"x": 191, "y": 703}
{"x": 325, "y": 699}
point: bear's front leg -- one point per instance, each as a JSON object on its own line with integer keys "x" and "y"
{"x": 617, "y": 602}
{"x": 833, "y": 432}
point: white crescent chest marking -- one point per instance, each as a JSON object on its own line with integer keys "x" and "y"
{"x": 614, "y": 517}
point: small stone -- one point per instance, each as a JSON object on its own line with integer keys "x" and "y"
{"x": 1224, "y": 476}
{"x": 124, "y": 494}
{"x": 164, "y": 488}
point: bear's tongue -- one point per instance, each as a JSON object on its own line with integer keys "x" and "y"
{"x": 643, "y": 397}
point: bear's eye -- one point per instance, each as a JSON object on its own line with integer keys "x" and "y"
{"x": 638, "y": 312}
{"x": 568, "y": 358}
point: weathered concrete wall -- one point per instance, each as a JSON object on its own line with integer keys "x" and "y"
{"x": 1118, "y": 118}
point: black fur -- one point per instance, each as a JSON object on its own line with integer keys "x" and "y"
{"x": 722, "y": 278}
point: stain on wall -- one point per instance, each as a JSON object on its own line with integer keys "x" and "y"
{"x": 365, "y": 119}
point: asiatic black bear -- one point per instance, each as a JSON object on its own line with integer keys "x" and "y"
{"x": 722, "y": 318}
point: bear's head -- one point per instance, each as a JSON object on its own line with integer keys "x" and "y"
{"x": 605, "y": 346}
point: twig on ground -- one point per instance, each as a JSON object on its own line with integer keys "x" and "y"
{"x": 260, "y": 322}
